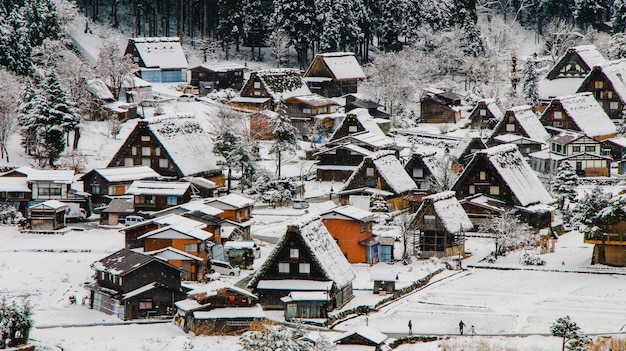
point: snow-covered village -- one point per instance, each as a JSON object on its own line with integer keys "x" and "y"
{"x": 410, "y": 175}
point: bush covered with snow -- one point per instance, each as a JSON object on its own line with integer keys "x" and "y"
{"x": 531, "y": 260}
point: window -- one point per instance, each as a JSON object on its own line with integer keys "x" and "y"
{"x": 559, "y": 148}
{"x": 191, "y": 247}
{"x": 494, "y": 190}
{"x": 163, "y": 163}
{"x": 294, "y": 253}
{"x": 283, "y": 267}
{"x": 510, "y": 127}
{"x": 145, "y": 151}
{"x": 157, "y": 151}
{"x": 145, "y": 138}
{"x": 482, "y": 175}
{"x": 304, "y": 268}
{"x": 590, "y": 148}
{"x": 148, "y": 199}
{"x": 145, "y": 304}
{"x": 133, "y": 150}
{"x": 171, "y": 200}
{"x": 128, "y": 162}
{"x": 613, "y": 105}
{"x": 46, "y": 191}
{"x": 418, "y": 172}
{"x": 257, "y": 85}
{"x": 257, "y": 93}
{"x": 576, "y": 148}
{"x": 430, "y": 220}
{"x": 363, "y": 227}
{"x": 95, "y": 188}
{"x": 609, "y": 94}
{"x": 145, "y": 162}
{"x": 558, "y": 115}
{"x": 352, "y": 129}
{"x": 472, "y": 189}
{"x": 369, "y": 172}
{"x": 598, "y": 84}
{"x": 483, "y": 112}
{"x": 307, "y": 110}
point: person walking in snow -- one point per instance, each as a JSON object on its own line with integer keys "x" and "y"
{"x": 410, "y": 327}
{"x": 461, "y": 326}
{"x": 472, "y": 331}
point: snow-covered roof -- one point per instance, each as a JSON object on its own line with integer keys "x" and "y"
{"x": 250, "y": 100}
{"x": 99, "y": 89}
{"x": 294, "y": 285}
{"x": 366, "y": 332}
{"x": 48, "y": 175}
{"x": 145, "y": 187}
{"x": 187, "y": 141}
{"x": 161, "y": 52}
{"x": 305, "y": 296}
{"x": 120, "y": 174}
{"x": 189, "y": 305}
{"x": 589, "y": 54}
{"x": 353, "y": 148}
{"x": 282, "y": 83}
{"x": 122, "y": 262}
{"x": 390, "y": 168}
{"x": 231, "y": 201}
{"x": 51, "y": 204}
{"x": 247, "y": 244}
{"x": 231, "y": 312}
{"x": 222, "y": 67}
{"x": 449, "y": 211}
{"x": 170, "y": 253}
{"x": 588, "y": 115}
{"x": 615, "y": 72}
{"x": 314, "y": 100}
{"x": 348, "y": 212}
{"x": 178, "y": 232}
{"x": 517, "y": 174}
{"x": 529, "y": 121}
{"x": 515, "y": 139}
{"x": 202, "y": 207}
{"x": 14, "y": 184}
{"x": 343, "y": 65}
{"x": 140, "y": 290}
{"x": 322, "y": 248}
{"x": 549, "y": 89}
{"x": 212, "y": 288}
{"x": 491, "y": 106}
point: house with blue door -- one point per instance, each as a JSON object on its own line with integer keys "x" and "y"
{"x": 160, "y": 59}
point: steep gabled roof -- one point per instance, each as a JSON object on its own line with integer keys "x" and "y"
{"x": 587, "y": 114}
{"x": 282, "y": 83}
{"x": 348, "y": 212}
{"x": 390, "y": 168}
{"x": 615, "y": 72}
{"x": 123, "y": 262}
{"x": 230, "y": 201}
{"x": 365, "y": 332}
{"x": 517, "y": 175}
{"x": 160, "y": 52}
{"x": 322, "y": 248}
{"x": 528, "y": 121}
{"x": 589, "y": 58}
{"x": 342, "y": 65}
{"x": 449, "y": 211}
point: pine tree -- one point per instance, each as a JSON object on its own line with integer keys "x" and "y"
{"x": 275, "y": 338}
{"x": 340, "y": 25}
{"x": 230, "y": 23}
{"x": 574, "y": 339}
{"x": 15, "y": 323}
{"x": 565, "y": 182}
{"x": 391, "y": 25}
{"x": 617, "y": 48}
{"x": 284, "y": 135}
{"x": 297, "y": 18}
{"x": 619, "y": 16}
{"x": 587, "y": 11}
{"x": 26, "y": 118}
{"x": 61, "y": 111}
{"x": 529, "y": 83}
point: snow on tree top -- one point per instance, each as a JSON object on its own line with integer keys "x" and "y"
{"x": 517, "y": 174}
{"x": 160, "y": 52}
{"x": 587, "y": 113}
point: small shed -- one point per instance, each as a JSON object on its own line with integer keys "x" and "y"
{"x": 386, "y": 248}
{"x": 362, "y": 336}
{"x": 306, "y": 304}
{"x": 48, "y": 215}
{"x": 384, "y": 283}
{"x": 234, "y": 320}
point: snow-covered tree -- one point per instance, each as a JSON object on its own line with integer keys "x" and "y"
{"x": 530, "y": 80}
{"x": 279, "y": 42}
{"x": 230, "y": 23}
{"x": 285, "y": 139}
{"x": 587, "y": 11}
{"x": 560, "y": 35}
{"x": 255, "y": 24}
{"x": 391, "y": 24}
{"x": 277, "y": 338}
{"x": 565, "y": 182}
{"x": 509, "y": 233}
{"x": 617, "y": 49}
{"x": 340, "y": 24}
{"x": 619, "y": 16}
{"x": 15, "y": 323}
{"x": 27, "y": 118}
{"x": 466, "y": 18}
{"x": 113, "y": 67}
{"x": 595, "y": 212}
{"x": 9, "y": 102}
{"x": 408, "y": 235}
{"x": 61, "y": 110}
{"x": 574, "y": 339}
{"x": 297, "y": 18}
{"x": 443, "y": 177}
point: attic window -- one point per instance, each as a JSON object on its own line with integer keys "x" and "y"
{"x": 294, "y": 253}
{"x": 352, "y": 129}
{"x": 145, "y": 138}
{"x": 598, "y": 84}
{"x": 482, "y": 175}
{"x": 369, "y": 172}
{"x": 483, "y": 112}
{"x": 494, "y": 190}
{"x": 558, "y": 115}
{"x": 510, "y": 127}
{"x": 613, "y": 105}
{"x": 304, "y": 268}
{"x": 283, "y": 267}
{"x": 418, "y": 172}
{"x": 472, "y": 189}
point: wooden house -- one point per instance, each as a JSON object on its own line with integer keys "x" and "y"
{"x": 464, "y": 151}
{"x": 442, "y": 224}
{"x": 358, "y": 122}
{"x": 583, "y": 153}
{"x": 384, "y": 282}
{"x": 218, "y": 308}
{"x": 155, "y": 195}
{"x": 380, "y": 174}
{"x": 209, "y": 77}
{"x": 337, "y": 163}
{"x": 14, "y": 191}
{"x": 438, "y": 106}
{"x": 607, "y": 84}
{"x": 521, "y": 120}
{"x": 303, "y": 109}
{"x": 190, "y": 265}
{"x": 160, "y": 59}
{"x": 114, "y": 181}
{"x": 364, "y": 336}
{"x": 117, "y": 209}
{"x": 133, "y": 92}
{"x": 609, "y": 248}
{"x": 47, "y": 216}
{"x": 351, "y": 227}
{"x": 500, "y": 172}
{"x": 615, "y": 147}
{"x": 485, "y": 114}
{"x": 579, "y": 112}
{"x": 306, "y": 304}
{"x": 423, "y": 166}
{"x": 132, "y": 285}
{"x": 104, "y": 105}
{"x": 264, "y": 89}
{"x": 173, "y": 146}
{"x": 235, "y": 207}
{"x": 334, "y": 74}
{"x": 567, "y": 75}
{"x": 305, "y": 258}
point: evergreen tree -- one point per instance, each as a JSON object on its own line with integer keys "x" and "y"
{"x": 617, "y": 48}
{"x": 284, "y": 135}
{"x": 391, "y": 25}
{"x": 574, "y": 339}
{"x": 340, "y": 26}
{"x": 587, "y": 12}
{"x": 619, "y": 16}
{"x": 565, "y": 182}
{"x": 26, "y": 117}
{"x": 255, "y": 24}
{"x": 230, "y": 24}
{"x": 61, "y": 111}
{"x": 466, "y": 18}
{"x": 15, "y": 323}
{"x": 275, "y": 338}
{"x": 530, "y": 81}
{"x": 297, "y": 18}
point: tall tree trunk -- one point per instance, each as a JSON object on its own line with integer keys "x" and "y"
{"x": 114, "y": 13}
{"x": 181, "y": 19}
{"x": 76, "y": 138}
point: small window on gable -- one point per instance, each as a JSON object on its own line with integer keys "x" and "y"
{"x": 369, "y": 171}
{"x": 157, "y": 151}
{"x": 558, "y": 115}
{"x": 163, "y": 163}
{"x": 145, "y": 162}
{"x": 483, "y": 112}
{"x": 418, "y": 172}
{"x": 145, "y": 138}
{"x": 145, "y": 151}
{"x": 598, "y": 84}
{"x": 494, "y": 190}
{"x": 128, "y": 162}
{"x": 133, "y": 150}
{"x": 352, "y": 129}
{"x": 283, "y": 267}
{"x": 482, "y": 175}
{"x": 304, "y": 268}
{"x": 294, "y": 253}
{"x": 257, "y": 85}
{"x": 613, "y": 105}
{"x": 510, "y": 127}
{"x": 472, "y": 189}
